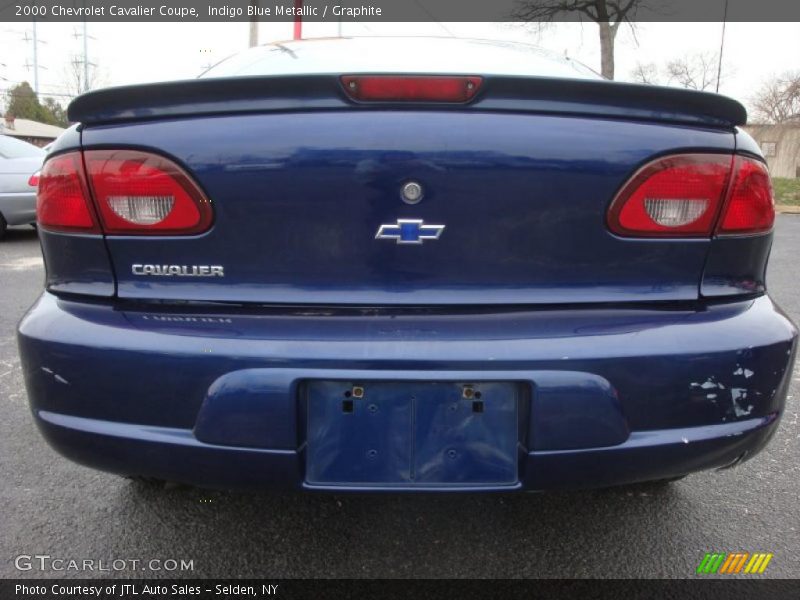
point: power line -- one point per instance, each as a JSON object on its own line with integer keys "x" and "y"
{"x": 434, "y": 19}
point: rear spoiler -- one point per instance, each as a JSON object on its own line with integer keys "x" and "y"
{"x": 580, "y": 97}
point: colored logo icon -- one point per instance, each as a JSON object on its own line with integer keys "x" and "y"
{"x": 734, "y": 563}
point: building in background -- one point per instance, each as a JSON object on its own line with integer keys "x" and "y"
{"x": 39, "y": 134}
{"x": 781, "y": 147}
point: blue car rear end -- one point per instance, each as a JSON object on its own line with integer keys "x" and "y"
{"x": 534, "y": 341}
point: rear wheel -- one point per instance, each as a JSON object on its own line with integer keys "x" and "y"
{"x": 3, "y": 227}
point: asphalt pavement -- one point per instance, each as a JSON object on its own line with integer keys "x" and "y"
{"x": 50, "y": 506}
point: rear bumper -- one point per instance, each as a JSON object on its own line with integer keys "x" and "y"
{"x": 176, "y": 455}
{"x": 616, "y": 395}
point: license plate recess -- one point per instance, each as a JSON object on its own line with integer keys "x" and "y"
{"x": 412, "y": 433}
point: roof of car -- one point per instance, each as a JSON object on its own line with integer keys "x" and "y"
{"x": 400, "y": 54}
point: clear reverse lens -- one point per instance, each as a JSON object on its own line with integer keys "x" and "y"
{"x": 141, "y": 210}
{"x": 141, "y": 193}
{"x": 670, "y": 212}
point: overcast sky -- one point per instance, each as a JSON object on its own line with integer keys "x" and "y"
{"x": 140, "y": 52}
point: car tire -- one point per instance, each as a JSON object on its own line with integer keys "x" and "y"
{"x": 3, "y": 227}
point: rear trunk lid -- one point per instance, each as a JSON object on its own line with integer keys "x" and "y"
{"x": 520, "y": 197}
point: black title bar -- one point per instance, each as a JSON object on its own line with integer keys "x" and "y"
{"x": 387, "y": 589}
{"x": 391, "y": 10}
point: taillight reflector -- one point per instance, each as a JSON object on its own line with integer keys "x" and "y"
{"x": 684, "y": 196}
{"x": 139, "y": 193}
{"x": 410, "y": 88}
{"x": 33, "y": 180}
{"x": 62, "y": 202}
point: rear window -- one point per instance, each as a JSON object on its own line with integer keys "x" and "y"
{"x": 400, "y": 55}
{"x": 14, "y": 148}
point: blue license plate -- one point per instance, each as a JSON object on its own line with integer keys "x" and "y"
{"x": 412, "y": 433}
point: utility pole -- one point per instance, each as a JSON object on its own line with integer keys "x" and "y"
{"x": 83, "y": 83}
{"x": 35, "y": 60}
{"x": 254, "y": 25}
{"x": 85, "y": 59}
{"x": 34, "y": 39}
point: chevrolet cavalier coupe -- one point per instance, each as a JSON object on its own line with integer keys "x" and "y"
{"x": 405, "y": 264}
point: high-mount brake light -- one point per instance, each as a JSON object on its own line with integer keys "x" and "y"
{"x": 684, "y": 196}
{"x": 411, "y": 88}
{"x": 140, "y": 193}
{"x": 62, "y": 202}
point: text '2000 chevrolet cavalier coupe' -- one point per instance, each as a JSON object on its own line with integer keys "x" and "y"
{"x": 405, "y": 264}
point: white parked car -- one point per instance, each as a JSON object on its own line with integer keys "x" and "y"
{"x": 19, "y": 167}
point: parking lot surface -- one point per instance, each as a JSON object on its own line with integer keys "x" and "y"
{"x": 51, "y": 506}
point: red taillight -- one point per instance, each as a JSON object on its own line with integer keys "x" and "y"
{"x": 33, "y": 180}
{"x": 134, "y": 193}
{"x": 139, "y": 193}
{"x": 62, "y": 202}
{"x": 683, "y": 196}
{"x": 750, "y": 207}
{"x": 410, "y": 88}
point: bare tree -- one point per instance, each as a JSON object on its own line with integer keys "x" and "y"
{"x": 75, "y": 76}
{"x": 778, "y": 101}
{"x": 645, "y": 73}
{"x": 695, "y": 72}
{"x": 608, "y": 14}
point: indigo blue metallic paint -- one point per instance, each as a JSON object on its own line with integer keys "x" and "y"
{"x": 132, "y": 406}
{"x": 524, "y": 209}
{"x": 77, "y": 264}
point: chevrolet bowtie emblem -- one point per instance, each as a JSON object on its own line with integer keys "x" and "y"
{"x": 409, "y": 231}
